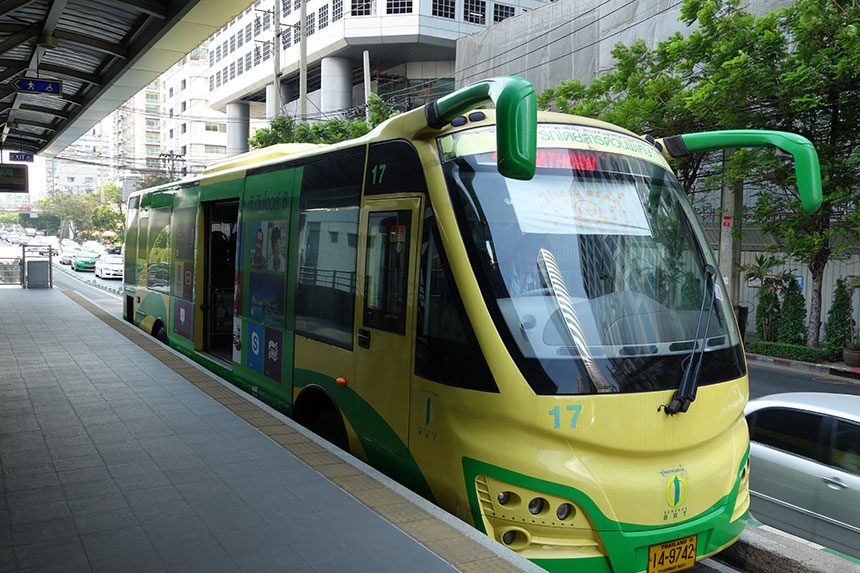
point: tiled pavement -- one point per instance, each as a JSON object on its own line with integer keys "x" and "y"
{"x": 112, "y": 461}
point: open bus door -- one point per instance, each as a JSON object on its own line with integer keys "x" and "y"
{"x": 221, "y": 222}
{"x": 384, "y": 319}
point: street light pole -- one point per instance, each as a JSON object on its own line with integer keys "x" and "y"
{"x": 277, "y": 58}
{"x": 303, "y": 62}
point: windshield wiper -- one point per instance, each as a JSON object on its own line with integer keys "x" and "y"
{"x": 686, "y": 392}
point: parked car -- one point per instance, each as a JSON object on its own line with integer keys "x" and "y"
{"x": 84, "y": 261}
{"x": 110, "y": 266}
{"x": 805, "y": 466}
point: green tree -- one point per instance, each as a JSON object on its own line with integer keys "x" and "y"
{"x": 792, "y": 321}
{"x": 284, "y": 129}
{"x": 154, "y": 180}
{"x": 111, "y": 194}
{"x": 768, "y": 309}
{"x": 73, "y": 209}
{"x": 106, "y": 218}
{"x": 840, "y": 325}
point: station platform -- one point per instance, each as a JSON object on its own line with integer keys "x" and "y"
{"x": 118, "y": 454}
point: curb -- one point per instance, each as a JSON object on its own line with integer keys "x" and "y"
{"x": 92, "y": 283}
{"x": 826, "y": 369}
{"x": 763, "y": 549}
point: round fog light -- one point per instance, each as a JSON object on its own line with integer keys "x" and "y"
{"x": 509, "y": 536}
{"x": 536, "y": 505}
{"x": 564, "y": 511}
{"x": 504, "y": 497}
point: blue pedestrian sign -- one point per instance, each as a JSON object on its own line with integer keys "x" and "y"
{"x": 21, "y": 157}
{"x": 37, "y": 86}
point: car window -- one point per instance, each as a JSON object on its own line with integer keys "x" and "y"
{"x": 846, "y": 446}
{"x": 790, "y": 430}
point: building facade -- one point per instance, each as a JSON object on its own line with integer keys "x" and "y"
{"x": 411, "y": 45}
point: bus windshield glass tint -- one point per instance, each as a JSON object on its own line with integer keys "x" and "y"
{"x": 593, "y": 270}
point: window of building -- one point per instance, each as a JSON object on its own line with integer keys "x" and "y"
{"x": 218, "y": 79}
{"x": 475, "y": 11}
{"x": 502, "y": 12}
{"x": 151, "y": 137}
{"x": 323, "y": 17}
{"x": 170, "y": 134}
{"x": 183, "y": 150}
{"x": 311, "y": 23}
{"x": 267, "y": 50}
{"x": 297, "y": 35}
{"x": 232, "y": 44}
{"x": 267, "y": 20}
{"x": 789, "y": 430}
{"x": 153, "y": 150}
{"x": 211, "y": 83}
{"x": 286, "y": 7}
{"x": 286, "y": 39}
{"x": 362, "y": 8}
{"x": 216, "y": 127}
{"x": 152, "y": 123}
{"x": 170, "y": 93}
{"x": 257, "y": 26}
{"x": 258, "y": 55}
{"x": 239, "y": 66}
{"x": 184, "y": 128}
{"x": 182, "y": 85}
{"x": 398, "y": 6}
{"x": 224, "y": 50}
{"x": 183, "y": 106}
{"x": 444, "y": 8}
{"x": 153, "y": 109}
{"x": 336, "y": 10}
{"x": 217, "y": 54}
{"x": 325, "y": 290}
{"x": 153, "y": 163}
{"x": 297, "y": 5}
{"x": 248, "y": 61}
{"x": 240, "y": 38}
{"x": 232, "y": 70}
{"x": 248, "y": 33}
{"x": 215, "y": 149}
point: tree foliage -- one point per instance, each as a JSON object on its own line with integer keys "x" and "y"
{"x": 839, "y": 327}
{"x": 792, "y": 323}
{"x": 106, "y": 218}
{"x": 75, "y": 210}
{"x": 284, "y": 129}
{"x": 768, "y": 308}
{"x": 796, "y": 69}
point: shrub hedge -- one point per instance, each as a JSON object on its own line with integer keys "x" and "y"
{"x": 791, "y": 351}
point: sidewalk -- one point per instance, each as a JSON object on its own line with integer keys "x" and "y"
{"x": 830, "y": 369}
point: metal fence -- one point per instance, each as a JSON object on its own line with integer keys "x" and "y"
{"x": 11, "y": 271}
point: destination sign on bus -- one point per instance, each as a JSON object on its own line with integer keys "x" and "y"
{"x": 552, "y": 158}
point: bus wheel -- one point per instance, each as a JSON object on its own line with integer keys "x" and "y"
{"x": 161, "y": 334}
{"x": 329, "y": 426}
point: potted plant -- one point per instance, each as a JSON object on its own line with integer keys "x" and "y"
{"x": 851, "y": 353}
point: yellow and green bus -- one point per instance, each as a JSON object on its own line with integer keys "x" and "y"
{"x": 509, "y": 312}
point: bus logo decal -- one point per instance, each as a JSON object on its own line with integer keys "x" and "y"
{"x": 676, "y": 490}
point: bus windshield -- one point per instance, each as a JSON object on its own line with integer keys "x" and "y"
{"x": 593, "y": 270}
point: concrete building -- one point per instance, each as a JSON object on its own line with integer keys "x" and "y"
{"x": 85, "y": 164}
{"x": 195, "y": 135}
{"x": 138, "y": 133}
{"x": 411, "y": 45}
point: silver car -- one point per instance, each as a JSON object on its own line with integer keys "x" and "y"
{"x": 805, "y": 466}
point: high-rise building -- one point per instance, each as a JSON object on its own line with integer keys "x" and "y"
{"x": 411, "y": 45}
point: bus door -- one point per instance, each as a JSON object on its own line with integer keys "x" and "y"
{"x": 385, "y": 298}
{"x": 220, "y": 262}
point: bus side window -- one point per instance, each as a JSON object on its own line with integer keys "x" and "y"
{"x": 446, "y": 349}
{"x": 387, "y": 263}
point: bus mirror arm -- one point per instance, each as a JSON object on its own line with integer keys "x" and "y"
{"x": 516, "y": 119}
{"x": 806, "y": 167}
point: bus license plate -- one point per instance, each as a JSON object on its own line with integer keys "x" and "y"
{"x": 672, "y": 556}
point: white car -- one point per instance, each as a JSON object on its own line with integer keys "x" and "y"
{"x": 109, "y": 266}
{"x": 805, "y": 466}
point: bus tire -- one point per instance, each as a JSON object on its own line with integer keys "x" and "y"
{"x": 161, "y": 333}
{"x": 329, "y": 426}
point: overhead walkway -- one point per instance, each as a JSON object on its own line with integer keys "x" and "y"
{"x": 117, "y": 454}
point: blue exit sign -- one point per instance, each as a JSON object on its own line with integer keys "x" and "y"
{"x": 21, "y": 157}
